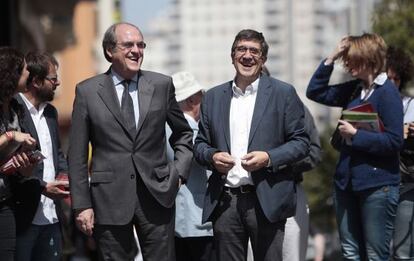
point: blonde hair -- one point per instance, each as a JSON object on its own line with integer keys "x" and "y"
{"x": 367, "y": 50}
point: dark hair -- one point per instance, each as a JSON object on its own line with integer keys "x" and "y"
{"x": 265, "y": 71}
{"x": 38, "y": 65}
{"x": 109, "y": 40}
{"x": 11, "y": 67}
{"x": 249, "y": 34}
{"x": 399, "y": 62}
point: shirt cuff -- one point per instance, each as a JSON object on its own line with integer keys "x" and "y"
{"x": 269, "y": 164}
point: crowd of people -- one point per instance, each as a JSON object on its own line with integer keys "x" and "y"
{"x": 204, "y": 175}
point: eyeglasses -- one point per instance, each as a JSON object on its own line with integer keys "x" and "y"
{"x": 129, "y": 45}
{"x": 240, "y": 50}
{"x": 53, "y": 80}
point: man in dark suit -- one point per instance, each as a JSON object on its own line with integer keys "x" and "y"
{"x": 251, "y": 130}
{"x": 131, "y": 182}
{"x": 38, "y": 210}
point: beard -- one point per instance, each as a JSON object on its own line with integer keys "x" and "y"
{"x": 45, "y": 95}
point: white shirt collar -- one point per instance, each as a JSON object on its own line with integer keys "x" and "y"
{"x": 381, "y": 78}
{"x": 32, "y": 109}
{"x": 117, "y": 79}
{"x": 250, "y": 89}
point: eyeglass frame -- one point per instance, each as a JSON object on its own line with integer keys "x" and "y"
{"x": 129, "y": 45}
{"x": 53, "y": 80}
{"x": 241, "y": 50}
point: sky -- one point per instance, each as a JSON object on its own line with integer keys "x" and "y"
{"x": 139, "y": 12}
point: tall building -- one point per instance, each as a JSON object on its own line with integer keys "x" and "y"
{"x": 197, "y": 36}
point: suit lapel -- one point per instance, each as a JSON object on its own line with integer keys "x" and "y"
{"x": 262, "y": 99}
{"x": 29, "y": 127}
{"x": 110, "y": 98}
{"x": 145, "y": 93}
{"x": 225, "y": 112}
{"x": 28, "y": 124}
{"x": 53, "y": 131}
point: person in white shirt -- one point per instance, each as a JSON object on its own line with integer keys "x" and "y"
{"x": 39, "y": 234}
{"x": 251, "y": 130}
{"x": 400, "y": 70}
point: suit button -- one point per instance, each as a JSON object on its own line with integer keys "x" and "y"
{"x": 223, "y": 176}
{"x": 132, "y": 176}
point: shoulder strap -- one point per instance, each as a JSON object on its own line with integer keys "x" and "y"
{"x": 354, "y": 94}
{"x": 407, "y": 105}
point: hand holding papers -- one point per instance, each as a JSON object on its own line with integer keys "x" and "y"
{"x": 363, "y": 120}
{"x": 363, "y": 117}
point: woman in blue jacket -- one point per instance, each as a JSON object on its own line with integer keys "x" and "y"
{"x": 367, "y": 173}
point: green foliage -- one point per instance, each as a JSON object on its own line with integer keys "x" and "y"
{"x": 394, "y": 21}
{"x": 318, "y": 185}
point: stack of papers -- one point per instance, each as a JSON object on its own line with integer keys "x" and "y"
{"x": 363, "y": 117}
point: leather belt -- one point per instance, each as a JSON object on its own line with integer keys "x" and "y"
{"x": 241, "y": 189}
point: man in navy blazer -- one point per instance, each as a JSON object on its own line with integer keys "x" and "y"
{"x": 250, "y": 132}
{"x": 38, "y": 208}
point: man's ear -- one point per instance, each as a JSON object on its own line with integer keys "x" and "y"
{"x": 109, "y": 53}
{"x": 36, "y": 82}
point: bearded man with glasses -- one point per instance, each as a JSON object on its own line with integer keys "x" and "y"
{"x": 123, "y": 113}
{"x": 251, "y": 130}
{"x": 39, "y": 210}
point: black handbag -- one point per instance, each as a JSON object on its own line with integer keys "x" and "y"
{"x": 407, "y": 155}
{"x": 407, "y": 168}
{"x": 407, "y": 161}
{"x": 336, "y": 139}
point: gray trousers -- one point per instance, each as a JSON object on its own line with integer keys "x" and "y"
{"x": 295, "y": 242}
{"x": 154, "y": 225}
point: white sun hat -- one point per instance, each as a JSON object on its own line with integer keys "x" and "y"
{"x": 185, "y": 85}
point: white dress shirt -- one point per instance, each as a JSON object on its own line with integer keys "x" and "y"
{"x": 46, "y": 211}
{"x": 408, "y": 106}
{"x": 133, "y": 91}
{"x": 241, "y": 114}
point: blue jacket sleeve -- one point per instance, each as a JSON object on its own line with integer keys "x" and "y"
{"x": 390, "y": 112}
{"x": 296, "y": 146}
{"x": 203, "y": 151}
{"x": 320, "y": 91}
{"x": 315, "y": 153}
